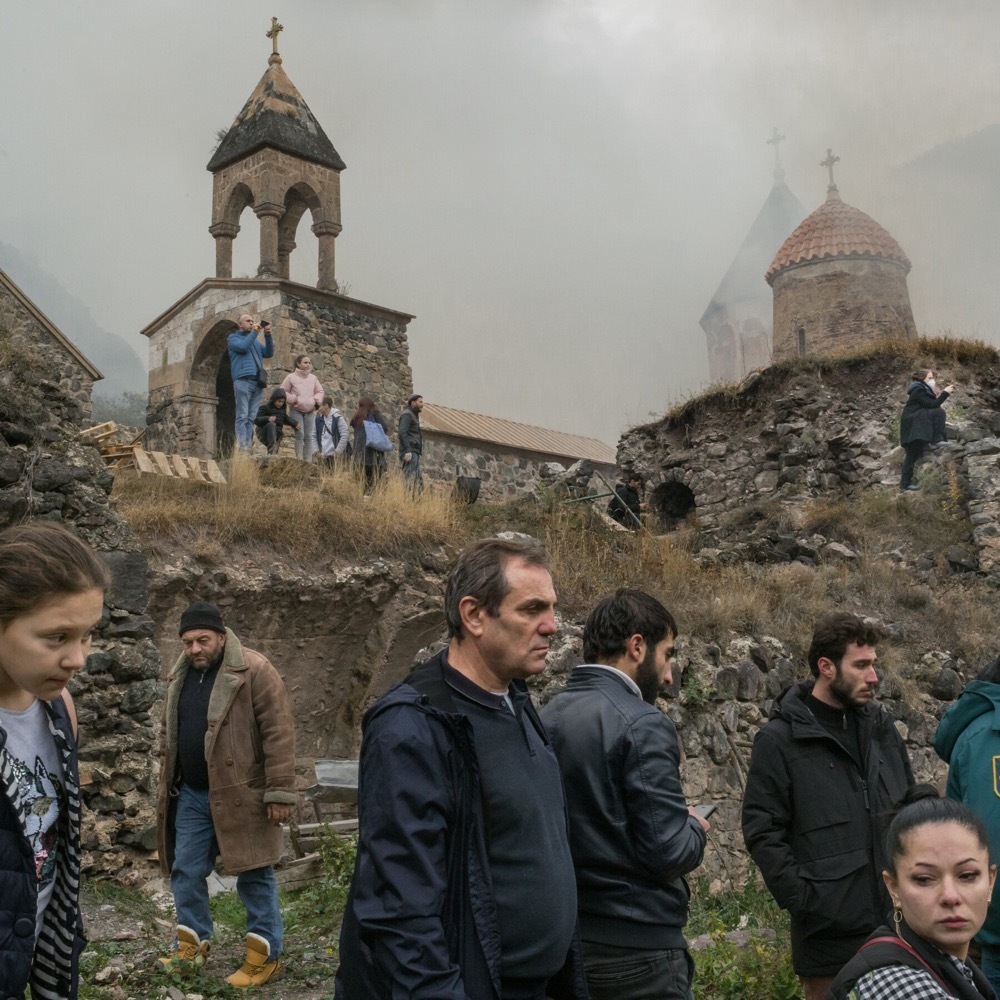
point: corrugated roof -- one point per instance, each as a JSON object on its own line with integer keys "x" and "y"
{"x": 495, "y": 430}
{"x": 834, "y": 230}
{"x": 276, "y": 115}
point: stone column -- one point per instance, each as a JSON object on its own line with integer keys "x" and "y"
{"x": 268, "y": 213}
{"x": 285, "y": 248}
{"x": 326, "y": 233}
{"x": 224, "y": 233}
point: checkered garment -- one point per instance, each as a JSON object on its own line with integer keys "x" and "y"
{"x": 899, "y": 982}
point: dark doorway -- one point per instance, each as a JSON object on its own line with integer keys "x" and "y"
{"x": 225, "y": 412}
{"x": 672, "y": 503}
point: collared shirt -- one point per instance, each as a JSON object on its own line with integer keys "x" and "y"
{"x": 621, "y": 673}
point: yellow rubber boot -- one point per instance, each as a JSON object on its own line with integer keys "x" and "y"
{"x": 256, "y": 969}
{"x": 190, "y": 955}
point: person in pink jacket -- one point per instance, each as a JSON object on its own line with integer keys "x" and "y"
{"x": 304, "y": 394}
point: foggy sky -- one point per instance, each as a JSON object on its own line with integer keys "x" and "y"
{"x": 554, "y": 188}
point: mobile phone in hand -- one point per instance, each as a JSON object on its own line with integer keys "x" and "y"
{"x": 704, "y": 811}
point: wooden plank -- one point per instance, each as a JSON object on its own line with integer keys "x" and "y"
{"x": 178, "y": 466}
{"x": 99, "y": 431}
{"x": 162, "y": 466}
{"x": 213, "y": 472}
{"x": 142, "y": 461}
{"x": 194, "y": 467}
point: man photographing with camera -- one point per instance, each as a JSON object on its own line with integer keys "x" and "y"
{"x": 246, "y": 363}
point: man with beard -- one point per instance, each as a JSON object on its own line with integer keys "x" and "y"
{"x": 632, "y": 834}
{"x": 227, "y": 784}
{"x": 824, "y": 774}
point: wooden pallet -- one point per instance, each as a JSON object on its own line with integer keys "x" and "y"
{"x": 156, "y": 463}
{"x": 149, "y": 463}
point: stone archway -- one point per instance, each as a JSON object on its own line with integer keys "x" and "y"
{"x": 672, "y": 502}
{"x": 211, "y": 379}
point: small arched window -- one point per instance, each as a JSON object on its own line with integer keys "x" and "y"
{"x": 802, "y": 340}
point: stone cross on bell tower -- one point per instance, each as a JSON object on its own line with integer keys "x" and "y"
{"x": 775, "y": 140}
{"x": 277, "y": 160}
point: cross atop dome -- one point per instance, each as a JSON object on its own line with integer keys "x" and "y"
{"x": 828, "y": 163}
{"x": 775, "y": 140}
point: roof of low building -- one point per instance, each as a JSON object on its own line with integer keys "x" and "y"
{"x": 512, "y": 434}
{"x": 6, "y": 282}
{"x": 836, "y": 230}
{"x": 276, "y": 115}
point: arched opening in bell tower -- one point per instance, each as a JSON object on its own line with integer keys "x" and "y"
{"x": 212, "y": 381}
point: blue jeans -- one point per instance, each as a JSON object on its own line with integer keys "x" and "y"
{"x": 194, "y": 859}
{"x": 990, "y": 966}
{"x": 635, "y": 974}
{"x": 412, "y": 475}
{"x": 248, "y": 398}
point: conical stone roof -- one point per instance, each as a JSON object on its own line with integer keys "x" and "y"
{"x": 276, "y": 115}
{"x": 836, "y": 230}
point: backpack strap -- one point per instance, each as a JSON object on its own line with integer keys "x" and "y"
{"x": 888, "y": 952}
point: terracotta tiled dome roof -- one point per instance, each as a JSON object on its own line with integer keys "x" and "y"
{"x": 835, "y": 230}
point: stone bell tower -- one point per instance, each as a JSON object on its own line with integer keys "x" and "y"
{"x": 277, "y": 161}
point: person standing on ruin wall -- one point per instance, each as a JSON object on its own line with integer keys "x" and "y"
{"x": 921, "y": 424}
{"x": 824, "y": 775}
{"x": 305, "y": 397}
{"x": 246, "y": 363}
{"x": 411, "y": 443}
{"x": 227, "y": 783}
{"x": 632, "y": 834}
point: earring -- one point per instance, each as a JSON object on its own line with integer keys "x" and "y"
{"x": 897, "y": 917}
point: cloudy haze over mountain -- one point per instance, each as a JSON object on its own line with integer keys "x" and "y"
{"x": 554, "y": 187}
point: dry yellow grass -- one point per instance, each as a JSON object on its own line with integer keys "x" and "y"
{"x": 292, "y": 509}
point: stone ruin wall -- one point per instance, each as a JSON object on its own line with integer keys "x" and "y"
{"x": 45, "y": 472}
{"x": 840, "y": 303}
{"x": 505, "y": 473}
{"x": 24, "y": 330}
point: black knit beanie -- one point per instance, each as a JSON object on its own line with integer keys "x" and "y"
{"x": 202, "y": 615}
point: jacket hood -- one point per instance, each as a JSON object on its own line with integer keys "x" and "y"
{"x": 916, "y": 386}
{"x": 278, "y": 394}
{"x": 978, "y": 698}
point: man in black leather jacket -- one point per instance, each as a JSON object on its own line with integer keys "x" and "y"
{"x": 632, "y": 834}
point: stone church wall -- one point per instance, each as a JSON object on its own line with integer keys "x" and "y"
{"x": 838, "y": 304}
{"x": 23, "y": 328}
{"x": 356, "y": 348}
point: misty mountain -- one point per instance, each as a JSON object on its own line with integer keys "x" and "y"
{"x": 123, "y": 369}
{"x": 947, "y": 216}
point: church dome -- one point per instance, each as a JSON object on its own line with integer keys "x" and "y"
{"x": 836, "y": 230}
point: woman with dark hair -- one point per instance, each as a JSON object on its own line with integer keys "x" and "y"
{"x": 374, "y": 461}
{"x": 921, "y": 423}
{"x": 940, "y": 881}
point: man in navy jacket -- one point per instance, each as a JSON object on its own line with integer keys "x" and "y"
{"x": 463, "y": 887}
{"x": 633, "y": 835}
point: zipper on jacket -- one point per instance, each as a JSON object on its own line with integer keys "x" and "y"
{"x": 864, "y": 789}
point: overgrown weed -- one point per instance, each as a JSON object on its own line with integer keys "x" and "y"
{"x": 289, "y": 507}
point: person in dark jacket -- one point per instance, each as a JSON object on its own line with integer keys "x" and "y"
{"x": 373, "y": 461}
{"x": 921, "y": 424}
{"x": 939, "y": 875}
{"x": 632, "y": 834}
{"x": 274, "y": 420}
{"x": 411, "y": 442}
{"x": 968, "y": 741}
{"x": 626, "y": 505}
{"x": 463, "y": 885}
{"x": 823, "y": 775}
{"x": 51, "y": 598}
